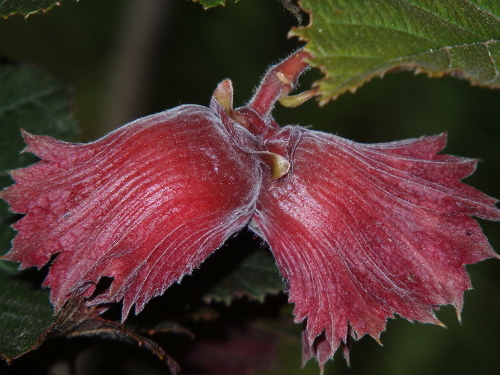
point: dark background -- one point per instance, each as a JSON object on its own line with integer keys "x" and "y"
{"x": 126, "y": 59}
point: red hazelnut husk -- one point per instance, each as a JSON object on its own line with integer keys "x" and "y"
{"x": 360, "y": 232}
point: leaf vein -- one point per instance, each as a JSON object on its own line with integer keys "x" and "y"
{"x": 29, "y": 99}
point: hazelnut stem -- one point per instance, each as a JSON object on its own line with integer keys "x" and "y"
{"x": 278, "y": 82}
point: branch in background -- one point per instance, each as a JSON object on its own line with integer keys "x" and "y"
{"x": 293, "y": 8}
{"x": 141, "y": 26}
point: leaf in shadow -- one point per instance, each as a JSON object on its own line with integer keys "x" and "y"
{"x": 25, "y": 313}
{"x": 78, "y": 321}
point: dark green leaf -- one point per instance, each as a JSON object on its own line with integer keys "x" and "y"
{"x": 25, "y": 7}
{"x": 32, "y": 100}
{"x": 254, "y": 277}
{"x": 25, "y": 313}
{"x": 355, "y": 40}
{"x": 212, "y": 3}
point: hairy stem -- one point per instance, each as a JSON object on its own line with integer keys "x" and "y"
{"x": 278, "y": 82}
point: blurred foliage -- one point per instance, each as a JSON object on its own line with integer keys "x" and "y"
{"x": 31, "y": 100}
{"x": 254, "y": 277}
{"x": 192, "y": 50}
{"x": 25, "y": 313}
{"x": 211, "y": 3}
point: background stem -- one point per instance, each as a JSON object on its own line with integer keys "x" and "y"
{"x": 142, "y": 24}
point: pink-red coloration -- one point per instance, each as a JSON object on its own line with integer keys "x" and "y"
{"x": 359, "y": 232}
{"x": 144, "y": 205}
{"x": 362, "y": 232}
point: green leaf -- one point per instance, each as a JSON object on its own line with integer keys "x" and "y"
{"x": 24, "y": 7}
{"x": 355, "y": 40}
{"x": 254, "y": 277}
{"x": 25, "y": 313}
{"x": 212, "y": 3}
{"x": 31, "y": 99}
